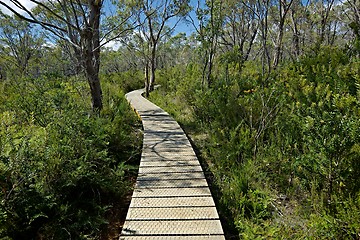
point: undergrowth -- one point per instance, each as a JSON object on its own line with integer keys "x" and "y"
{"x": 283, "y": 149}
{"x": 61, "y": 167}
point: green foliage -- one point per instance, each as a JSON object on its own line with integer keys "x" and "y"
{"x": 20, "y": 43}
{"x": 59, "y": 166}
{"x": 284, "y": 150}
{"x": 127, "y": 80}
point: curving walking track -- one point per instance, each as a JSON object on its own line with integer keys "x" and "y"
{"x": 171, "y": 199}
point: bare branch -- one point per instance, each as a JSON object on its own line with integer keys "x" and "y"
{"x": 32, "y": 19}
{"x": 53, "y": 13}
{"x": 116, "y": 36}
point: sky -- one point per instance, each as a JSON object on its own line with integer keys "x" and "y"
{"x": 181, "y": 27}
{"x": 26, "y": 3}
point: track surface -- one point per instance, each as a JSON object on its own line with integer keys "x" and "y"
{"x": 171, "y": 199}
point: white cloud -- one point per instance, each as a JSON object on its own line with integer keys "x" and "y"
{"x": 114, "y": 45}
{"x": 26, "y": 3}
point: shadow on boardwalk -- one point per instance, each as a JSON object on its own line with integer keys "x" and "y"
{"x": 171, "y": 199}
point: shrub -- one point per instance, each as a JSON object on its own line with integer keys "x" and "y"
{"x": 60, "y": 166}
{"x": 284, "y": 148}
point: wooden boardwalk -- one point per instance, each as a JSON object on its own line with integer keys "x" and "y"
{"x": 171, "y": 199}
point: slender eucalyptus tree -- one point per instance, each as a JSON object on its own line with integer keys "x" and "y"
{"x": 240, "y": 29}
{"x": 77, "y": 22}
{"x": 283, "y": 9}
{"x": 208, "y": 25}
{"x": 19, "y": 42}
{"x": 153, "y": 16}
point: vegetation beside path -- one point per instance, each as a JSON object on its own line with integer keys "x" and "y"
{"x": 64, "y": 172}
{"x": 268, "y": 90}
{"x": 283, "y": 150}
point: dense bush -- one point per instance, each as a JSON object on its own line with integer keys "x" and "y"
{"x": 60, "y": 166}
{"x": 283, "y": 148}
{"x": 127, "y": 80}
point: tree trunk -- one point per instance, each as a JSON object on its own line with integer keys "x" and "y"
{"x": 92, "y": 54}
{"x": 278, "y": 46}
{"x": 204, "y": 68}
{"x": 147, "y": 83}
{"x": 284, "y": 8}
{"x": 210, "y": 66}
{"x": 152, "y": 67}
{"x": 95, "y": 90}
{"x": 246, "y": 57}
{"x": 266, "y": 60}
{"x": 296, "y": 35}
{"x": 324, "y": 20}
{"x": 91, "y": 67}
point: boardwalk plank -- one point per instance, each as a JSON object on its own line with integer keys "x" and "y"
{"x": 171, "y": 199}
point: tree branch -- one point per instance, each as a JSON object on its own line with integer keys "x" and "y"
{"x": 32, "y": 19}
